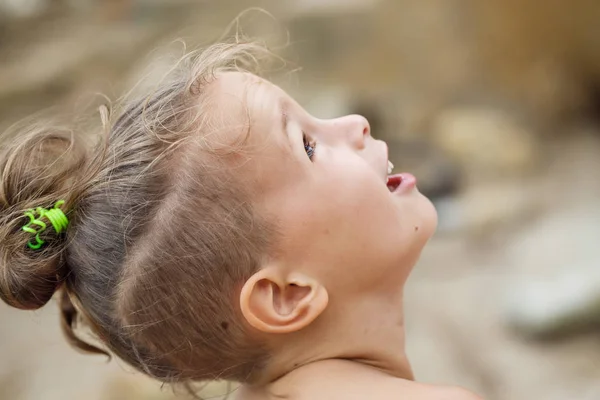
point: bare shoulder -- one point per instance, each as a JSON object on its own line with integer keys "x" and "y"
{"x": 409, "y": 390}
{"x": 392, "y": 389}
{"x": 451, "y": 393}
{"x": 346, "y": 381}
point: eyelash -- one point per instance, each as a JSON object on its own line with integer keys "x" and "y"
{"x": 309, "y": 146}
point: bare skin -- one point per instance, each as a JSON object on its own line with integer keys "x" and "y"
{"x": 341, "y": 379}
{"x": 328, "y": 303}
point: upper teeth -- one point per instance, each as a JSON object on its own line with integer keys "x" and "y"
{"x": 390, "y": 167}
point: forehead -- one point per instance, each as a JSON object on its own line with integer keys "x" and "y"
{"x": 243, "y": 103}
{"x": 248, "y": 112}
{"x": 245, "y": 94}
{"x": 232, "y": 81}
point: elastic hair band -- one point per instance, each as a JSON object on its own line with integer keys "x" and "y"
{"x": 56, "y": 217}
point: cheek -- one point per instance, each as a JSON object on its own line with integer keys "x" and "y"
{"x": 334, "y": 217}
{"x": 360, "y": 220}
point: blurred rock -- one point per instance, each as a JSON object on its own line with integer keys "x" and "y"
{"x": 23, "y": 8}
{"x": 485, "y": 209}
{"x": 557, "y": 292}
{"x": 486, "y": 142}
{"x": 305, "y": 7}
{"x": 553, "y": 264}
{"x": 542, "y": 54}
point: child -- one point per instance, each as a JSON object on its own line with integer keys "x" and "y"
{"x": 219, "y": 231}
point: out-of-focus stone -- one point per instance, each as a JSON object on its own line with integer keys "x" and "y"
{"x": 486, "y": 208}
{"x": 23, "y": 8}
{"x": 556, "y": 290}
{"x": 486, "y": 142}
{"x": 542, "y": 54}
{"x": 304, "y": 7}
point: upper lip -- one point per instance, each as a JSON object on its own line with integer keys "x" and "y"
{"x": 385, "y": 162}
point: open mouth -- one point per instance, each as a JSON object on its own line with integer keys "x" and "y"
{"x": 399, "y": 182}
{"x": 393, "y": 182}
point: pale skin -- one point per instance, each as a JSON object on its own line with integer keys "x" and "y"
{"x": 328, "y": 302}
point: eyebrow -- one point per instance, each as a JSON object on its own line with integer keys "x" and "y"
{"x": 282, "y": 107}
{"x": 283, "y": 111}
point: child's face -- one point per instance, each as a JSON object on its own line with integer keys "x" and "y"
{"x": 324, "y": 183}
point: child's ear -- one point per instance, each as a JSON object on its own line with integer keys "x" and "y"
{"x": 273, "y": 302}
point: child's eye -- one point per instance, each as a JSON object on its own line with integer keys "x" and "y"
{"x": 309, "y": 146}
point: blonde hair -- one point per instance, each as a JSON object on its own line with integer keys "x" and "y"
{"x": 161, "y": 236}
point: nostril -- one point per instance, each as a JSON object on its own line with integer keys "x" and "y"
{"x": 364, "y": 123}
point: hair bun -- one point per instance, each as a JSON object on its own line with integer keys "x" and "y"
{"x": 31, "y": 265}
{"x": 38, "y": 167}
{"x": 29, "y": 280}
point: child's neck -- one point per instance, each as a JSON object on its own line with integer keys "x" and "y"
{"x": 368, "y": 331}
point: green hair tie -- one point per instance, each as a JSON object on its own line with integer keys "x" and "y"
{"x": 56, "y": 217}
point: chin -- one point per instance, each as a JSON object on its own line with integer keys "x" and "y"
{"x": 428, "y": 219}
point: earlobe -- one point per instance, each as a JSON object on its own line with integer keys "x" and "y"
{"x": 276, "y": 303}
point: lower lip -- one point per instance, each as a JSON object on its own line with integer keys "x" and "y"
{"x": 407, "y": 182}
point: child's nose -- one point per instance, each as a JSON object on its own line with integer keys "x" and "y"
{"x": 354, "y": 129}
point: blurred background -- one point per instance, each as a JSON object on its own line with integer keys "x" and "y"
{"x": 493, "y": 104}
